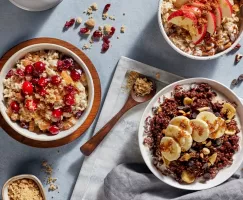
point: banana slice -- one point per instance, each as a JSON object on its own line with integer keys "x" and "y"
{"x": 171, "y": 130}
{"x": 184, "y": 139}
{"x": 221, "y": 130}
{"x": 182, "y": 122}
{"x": 230, "y": 132}
{"x": 170, "y": 149}
{"x": 229, "y": 110}
{"x": 200, "y": 130}
{"x": 187, "y": 177}
{"x": 210, "y": 119}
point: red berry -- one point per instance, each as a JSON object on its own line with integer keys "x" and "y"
{"x": 56, "y": 80}
{"x": 39, "y": 67}
{"x": 20, "y": 72}
{"x": 107, "y": 7}
{"x": 27, "y": 88}
{"x": 67, "y": 109}
{"x": 68, "y": 62}
{"x": 97, "y": 34}
{"x": 69, "y": 99}
{"x": 42, "y": 92}
{"x": 54, "y": 130}
{"x": 78, "y": 114}
{"x": 70, "y": 89}
{"x": 105, "y": 47}
{"x": 106, "y": 40}
{"x": 30, "y": 105}
{"x": 75, "y": 75}
{"x": 57, "y": 113}
{"x": 69, "y": 23}
{"x": 15, "y": 106}
{"x": 28, "y": 69}
{"x": 83, "y": 30}
{"x": 43, "y": 82}
{"x": 112, "y": 31}
{"x": 34, "y": 81}
{"x": 9, "y": 74}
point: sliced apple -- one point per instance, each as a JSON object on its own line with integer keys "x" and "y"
{"x": 179, "y": 3}
{"x": 197, "y": 4}
{"x": 193, "y": 9}
{"x": 219, "y": 16}
{"x": 184, "y": 19}
{"x": 201, "y": 32}
{"x": 226, "y": 8}
{"x": 211, "y": 18}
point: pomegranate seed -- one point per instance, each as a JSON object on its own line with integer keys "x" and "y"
{"x": 42, "y": 92}
{"x": 67, "y": 109}
{"x": 70, "y": 89}
{"x": 30, "y": 105}
{"x": 69, "y": 23}
{"x": 57, "y": 113}
{"x": 15, "y": 106}
{"x": 39, "y": 67}
{"x": 83, "y": 30}
{"x": 69, "y": 99}
{"x": 20, "y": 72}
{"x": 43, "y": 82}
{"x": 54, "y": 130}
{"x": 97, "y": 34}
{"x": 34, "y": 81}
{"x": 107, "y": 7}
{"x": 24, "y": 125}
{"x": 75, "y": 75}
{"x": 27, "y": 88}
{"x": 78, "y": 114}
{"x": 112, "y": 31}
{"x": 55, "y": 80}
{"x": 28, "y": 69}
{"x": 9, "y": 74}
{"x": 105, "y": 47}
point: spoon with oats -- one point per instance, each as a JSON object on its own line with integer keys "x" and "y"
{"x": 142, "y": 90}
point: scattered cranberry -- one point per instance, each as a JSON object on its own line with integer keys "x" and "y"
{"x": 27, "y": 88}
{"x": 20, "y": 72}
{"x": 56, "y": 80}
{"x": 30, "y": 105}
{"x": 39, "y": 67}
{"x": 112, "y": 31}
{"x": 69, "y": 99}
{"x": 69, "y": 23}
{"x": 67, "y": 63}
{"x": 75, "y": 75}
{"x": 34, "y": 81}
{"x": 57, "y": 113}
{"x": 15, "y": 106}
{"x": 84, "y": 30}
{"x": 54, "y": 130}
{"x": 28, "y": 69}
{"x": 10, "y": 73}
{"x": 70, "y": 89}
{"x": 78, "y": 114}
{"x": 42, "y": 92}
{"x": 107, "y": 7}
{"x": 24, "y": 125}
{"x": 106, "y": 40}
{"x": 97, "y": 34}
{"x": 67, "y": 109}
{"x": 105, "y": 47}
{"x": 43, "y": 82}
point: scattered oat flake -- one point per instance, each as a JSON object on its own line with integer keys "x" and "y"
{"x": 238, "y": 58}
{"x": 52, "y": 187}
{"x": 47, "y": 167}
{"x": 79, "y": 20}
{"x": 157, "y": 75}
{"x": 89, "y": 11}
{"x": 123, "y": 29}
{"x": 94, "y": 6}
{"x": 104, "y": 16}
{"x": 86, "y": 46}
{"x": 112, "y": 18}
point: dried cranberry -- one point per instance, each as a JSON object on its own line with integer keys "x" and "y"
{"x": 107, "y": 7}
{"x": 9, "y": 74}
{"x": 31, "y": 105}
{"x": 75, "y": 75}
{"x": 84, "y": 30}
{"x": 24, "y": 125}
{"x": 27, "y": 88}
{"x": 57, "y": 113}
{"x": 15, "y": 106}
{"x": 105, "y": 47}
{"x": 112, "y": 31}
{"x": 39, "y": 67}
{"x": 97, "y": 34}
{"x": 69, "y": 23}
{"x": 106, "y": 40}
{"x": 28, "y": 69}
{"x": 34, "y": 81}
{"x": 56, "y": 80}
{"x": 54, "y": 130}
{"x": 20, "y": 72}
{"x": 69, "y": 99}
{"x": 67, "y": 109}
{"x": 42, "y": 92}
{"x": 43, "y": 82}
{"x": 67, "y": 63}
{"x": 70, "y": 89}
{"x": 78, "y": 114}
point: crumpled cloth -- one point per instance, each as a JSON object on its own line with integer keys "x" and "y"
{"x": 136, "y": 182}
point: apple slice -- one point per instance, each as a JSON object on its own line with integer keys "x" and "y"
{"x": 219, "y": 16}
{"x": 226, "y": 8}
{"x": 201, "y": 32}
{"x": 179, "y": 3}
{"x": 184, "y": 19}
{"x": 197, "y": 4}
{"x": 211, "y": 18}
{"x": 193, "y": 9}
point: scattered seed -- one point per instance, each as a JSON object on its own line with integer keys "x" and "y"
{"x": 238, "y": 58}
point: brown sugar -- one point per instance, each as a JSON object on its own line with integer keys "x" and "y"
{"x": 142, "y": 87}
{"x": 132, "y": 76}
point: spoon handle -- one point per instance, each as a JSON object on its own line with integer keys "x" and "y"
{"x": 93, "y": 142}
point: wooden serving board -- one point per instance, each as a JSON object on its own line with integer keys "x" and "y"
{"x": 93, "y": 112}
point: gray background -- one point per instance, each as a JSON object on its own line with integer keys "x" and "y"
{"x": 142, "y": 41}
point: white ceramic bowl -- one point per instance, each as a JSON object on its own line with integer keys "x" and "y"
{"x": 186, "y": 54}
{"x": 11, "y": 63}
{"x": 223, "y": 174}
{"x": 24, "y": 176}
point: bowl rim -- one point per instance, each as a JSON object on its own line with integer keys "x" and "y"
{"x": 144, "y": 150}
{"x": 162, "y": 30}
{"x": 23, "y": 176}
{"x": 25, "y": 132}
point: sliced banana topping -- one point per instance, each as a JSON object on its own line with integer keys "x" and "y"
{"x": 203, "y": 109}
{"x": 184, "y": 139}
{"x": 210, "y": 119}
{"x": 229, "y": 110}
{"x": 171, "y": 130}
{"x": 230, "y": 132}
{"x": 200, "y": 130}
{"x": 170, "y": 149}
{"x": 187, "y": 177}
{"x": 220, "y": 131}
{"x": 182, "y": 122}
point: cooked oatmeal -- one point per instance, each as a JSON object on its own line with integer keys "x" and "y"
{"x": 46, "y": 91}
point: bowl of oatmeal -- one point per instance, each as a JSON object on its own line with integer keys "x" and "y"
{"x": 190, "y": 134}
{"x": 47, "y": 92}
{"x": 200, "y": 29}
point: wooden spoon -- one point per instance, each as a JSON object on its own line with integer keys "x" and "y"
{"x": 132, "y": 101}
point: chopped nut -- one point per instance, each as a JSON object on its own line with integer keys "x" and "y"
{"x": 90, "y": 23}
{"x": 123, "y": 29}
{"x": 182, "y": 112}
{"x": 187, "y": 101}
{"x": 208, "y": 144}
{"x": 212, "y": 158}
{"x": 236, "y": 7}
{"x": 89, "y": 11}
{"x": 112, "y": 18}
{"x": 201, "y": 155}
{"x": 238, "y": 58}
{"x": 52, "y": 187}
{"x": 107, "y": 29}
{"x": 185, "y": 157}
{"x": 79, "y": 20}
{"x": 206, "y": 151}
{"x": 94, "y": 6}
{"x": 104, "y": 16}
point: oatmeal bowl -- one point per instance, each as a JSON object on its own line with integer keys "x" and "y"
{"x": 47, "y": 92}
{"x": 200, "y": 29}
{"x": 190, "y": 134}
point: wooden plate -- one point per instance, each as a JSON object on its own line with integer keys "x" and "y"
{"x": 93, "y": 112}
